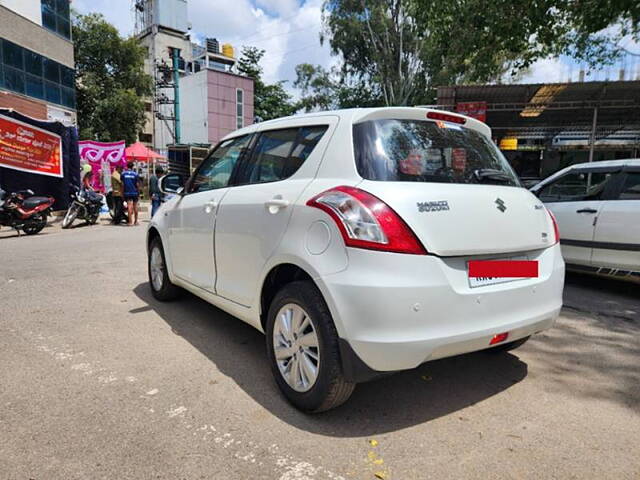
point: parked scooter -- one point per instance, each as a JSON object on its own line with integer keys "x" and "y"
{"x": 85, "y": 205}
{"x": 24, "y": 211}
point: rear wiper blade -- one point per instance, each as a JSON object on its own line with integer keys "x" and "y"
{"x": 491, "y": 174}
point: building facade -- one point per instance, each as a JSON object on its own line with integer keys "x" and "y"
{"x": 37, "y": 76}
{"x": 542, "y": 128}
{"x": 212, "y": 99}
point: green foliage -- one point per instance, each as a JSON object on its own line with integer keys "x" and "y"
{"x": 395, "y": 52}
{"x": 110, "y": 81}
{"x": 269, "y": 101}
{"x": 325, "y": 90}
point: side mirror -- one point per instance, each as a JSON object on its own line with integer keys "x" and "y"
{"x": 172, "y": 183}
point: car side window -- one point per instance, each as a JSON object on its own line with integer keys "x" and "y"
{"x": 278, "y": 154}
{"x": 216, "y": 170}
{"x": 631, "y": 187}
{"x": 576, "y": 187}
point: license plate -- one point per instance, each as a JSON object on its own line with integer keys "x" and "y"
{"x": 475, "y": 282}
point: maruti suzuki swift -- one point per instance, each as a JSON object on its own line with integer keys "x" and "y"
{"x": 347, "y": 237}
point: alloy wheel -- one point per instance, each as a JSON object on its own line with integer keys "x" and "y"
{"x": 296, "y": 347}
{"x": 156, "y": 266}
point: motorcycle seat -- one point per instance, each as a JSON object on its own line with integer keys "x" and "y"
{"x": 94, "y": 197}
{"x": 33, "y": 202}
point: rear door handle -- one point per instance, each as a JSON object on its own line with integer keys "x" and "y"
{"x": 277, "y": 203}
{"x": 210, "y": 206}
{"x": 587, "y": 210}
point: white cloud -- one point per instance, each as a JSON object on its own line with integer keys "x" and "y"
{"x": 289, "y": 36}
{"x": 548, "y": 70}
{"x": 279, "y": 7}
{"x": 117, "y": 12}
{"x": 287, "y": 30}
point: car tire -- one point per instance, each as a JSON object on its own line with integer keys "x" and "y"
{"x": 329, "y": 388}
{"x": 159, "y": 282}
{"x": 507, "y": 346}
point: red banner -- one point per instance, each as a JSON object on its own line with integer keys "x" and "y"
{"x": 29, "y": 149}
{"x": 477, "y": 110}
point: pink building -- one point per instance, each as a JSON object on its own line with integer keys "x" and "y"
{"x": 213, "y": 104}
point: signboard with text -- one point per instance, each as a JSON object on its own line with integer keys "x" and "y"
{"x": 477, "y": 110}
{"x": 29, "y": 149}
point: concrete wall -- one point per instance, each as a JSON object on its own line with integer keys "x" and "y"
{"x": 20, "y": 30}
{"x": 158, "y": 42}
{"x": 221, "y": 96}
{"x": 32, "y": 9}
{"x": 194, "y": 108}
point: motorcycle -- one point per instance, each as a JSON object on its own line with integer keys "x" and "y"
{"x": 112, "y": 208}
{"x": 85, "y": 205}
{"x": 24, "y": 211}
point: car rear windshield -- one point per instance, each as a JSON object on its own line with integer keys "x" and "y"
{"x": 424, "y": 151}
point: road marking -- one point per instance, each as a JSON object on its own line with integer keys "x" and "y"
{"x": 286, "y": 466}
{"x": 175, "y": 412}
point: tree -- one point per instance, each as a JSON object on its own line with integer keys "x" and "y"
{"x": 269, "y": 101}
{"x": 402, "y": 49}
{"x": 380, "y": 43}
{"x": 325, "y": 90}
{"x": 110, "y": 81}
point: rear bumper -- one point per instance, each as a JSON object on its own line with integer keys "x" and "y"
{"x": 396, "y": 311}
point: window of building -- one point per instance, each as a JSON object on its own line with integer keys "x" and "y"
{"x": 34, "y": 87}
{"x": 55, "y": 17}
{"x": 14, "y": 79}
{"x": 12, "y": 55}
{"x": 26, "y": 72}
{"x": 145, "y": 137}
{"x": 239, "y": 108}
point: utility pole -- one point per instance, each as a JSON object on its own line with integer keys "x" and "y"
{"x": 168, "y": 78}
{"x": 175, "y": 56}
{"x": 592, "y": 137}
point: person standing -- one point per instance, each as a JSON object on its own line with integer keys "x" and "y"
{"x": 117, "y": 195}
{"x": 131, "y": 190}
{"x": 154, "y": 190}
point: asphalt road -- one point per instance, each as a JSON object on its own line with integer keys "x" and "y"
{"x": 99, "y": 381}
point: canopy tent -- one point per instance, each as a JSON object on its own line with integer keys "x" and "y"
{"x": 138, "y": 152}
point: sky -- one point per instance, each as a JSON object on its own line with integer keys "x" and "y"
{"x": 289, "y": 32}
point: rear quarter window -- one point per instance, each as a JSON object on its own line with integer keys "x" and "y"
{"x": 278, "y": 154}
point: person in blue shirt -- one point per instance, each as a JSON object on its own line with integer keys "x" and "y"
{"x": 131, "y": 187}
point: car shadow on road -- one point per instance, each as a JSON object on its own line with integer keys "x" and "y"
{"x": 402, "y": 400}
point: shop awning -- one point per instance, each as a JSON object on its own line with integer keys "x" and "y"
{"x": 544, "y": 111}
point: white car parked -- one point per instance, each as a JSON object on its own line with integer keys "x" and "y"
{"x": 597, "y": 206}
{"x": 346, "y": 237}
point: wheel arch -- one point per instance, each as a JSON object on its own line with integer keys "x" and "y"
{"x": 279, "y": 276}
{"x": 152, "y": 234}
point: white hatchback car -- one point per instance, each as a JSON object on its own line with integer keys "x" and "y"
{"x": 597, "y": 206}
{"x": 346, "y": 237}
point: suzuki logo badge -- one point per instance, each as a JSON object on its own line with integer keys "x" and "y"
{"x": 500, "y": 204}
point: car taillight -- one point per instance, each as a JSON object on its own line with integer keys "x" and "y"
{"x": 445, "y": 117}
{"x": 556, "y": 232}
{"x": 365, "y": 221}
